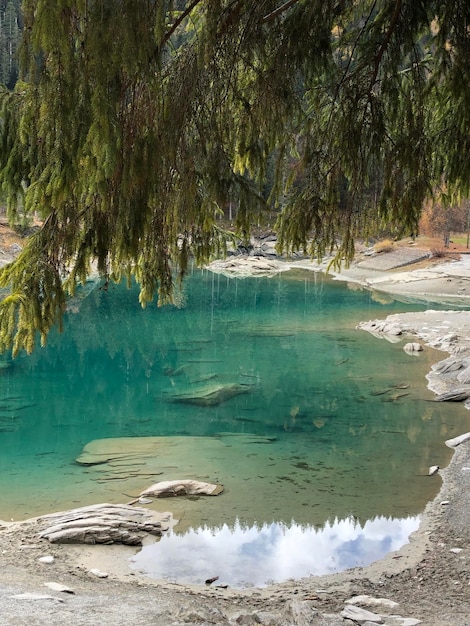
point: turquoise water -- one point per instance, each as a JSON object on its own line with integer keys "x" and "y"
{"x": 328, "y": 422}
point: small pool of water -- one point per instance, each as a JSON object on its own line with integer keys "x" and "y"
{"x": 255, "y": 556}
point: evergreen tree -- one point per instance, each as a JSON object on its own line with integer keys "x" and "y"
{"x": 135, "y": 121}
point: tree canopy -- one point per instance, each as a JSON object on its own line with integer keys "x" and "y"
{"x": 134, "y": 122}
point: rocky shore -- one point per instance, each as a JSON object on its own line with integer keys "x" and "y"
{"x": 427, "y": 581}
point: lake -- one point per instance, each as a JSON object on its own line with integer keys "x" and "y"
{"x": 321, "y": 432}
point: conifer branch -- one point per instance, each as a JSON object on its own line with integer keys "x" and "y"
{"x": 279, "y": 11}
{"x": 180, "y": 19}
{"x": 385, "y": 42}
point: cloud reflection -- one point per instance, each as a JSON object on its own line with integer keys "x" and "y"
{"x": 243, "y": 556}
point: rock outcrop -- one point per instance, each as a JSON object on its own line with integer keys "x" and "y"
{"x": 103, "y": 523}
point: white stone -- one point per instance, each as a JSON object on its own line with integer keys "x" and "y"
{"x": 392, "y": 329}
{"x": 370, "y": 601}
{"x": 35, "y": 596}
{"x": 413, "y": 347}
{"x": 405, "y": 621}
{"x": 184, "y": 487}
{"x": 433, "y": 470}
{"x": 445, "y": 502}
{"x": 456, "y": 550}
{"x": 360, "y": 616}
{"x": 59, "y": 587}
{"x": 46, "y": 559}
{"x": 98, "y": 573}
{"x": 456, "y": 441}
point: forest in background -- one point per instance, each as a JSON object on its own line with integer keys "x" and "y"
{"x": 11, "y": 25}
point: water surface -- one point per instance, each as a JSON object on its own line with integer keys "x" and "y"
{"x": 332, "y": 424}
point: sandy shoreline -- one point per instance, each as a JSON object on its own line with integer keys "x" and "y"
{"x": 428, "y": 577}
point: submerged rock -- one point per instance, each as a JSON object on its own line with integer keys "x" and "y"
{"x": 210, "y": 395}
{"x": 102, "y": 451}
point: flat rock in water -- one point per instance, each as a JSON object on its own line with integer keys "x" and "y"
{"x": 209, "y": 395}
{"x": 100, "y": 451}
{"x": 456, "y": 441}
{"x": 169, "y": 488}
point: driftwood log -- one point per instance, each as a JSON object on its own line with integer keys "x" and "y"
{"x": 104, "y": 524}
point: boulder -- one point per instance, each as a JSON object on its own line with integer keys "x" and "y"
{"x": 413, "y": 347}
{"x": 102, "y": 523}
{"x": 170, "y": 488}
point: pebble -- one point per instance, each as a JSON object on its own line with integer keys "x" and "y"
{"x": 59, "y": 587}
{"x": 99, "y": 573}
{"x": 46, "y": 559}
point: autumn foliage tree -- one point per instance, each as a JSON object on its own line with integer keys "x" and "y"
{"x": 134, "y": 122}
{"x": 440, "y": 220}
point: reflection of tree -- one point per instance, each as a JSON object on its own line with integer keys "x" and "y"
{"x": 123, "y": 362}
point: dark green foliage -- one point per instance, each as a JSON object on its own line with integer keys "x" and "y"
{"x": 136, "y": 123}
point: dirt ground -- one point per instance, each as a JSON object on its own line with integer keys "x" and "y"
{"x": 429, "y": 578}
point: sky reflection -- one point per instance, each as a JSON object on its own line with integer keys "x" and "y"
{"x": 243, "y": 556}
